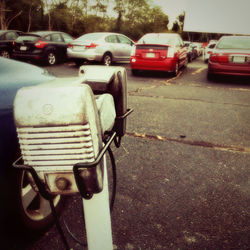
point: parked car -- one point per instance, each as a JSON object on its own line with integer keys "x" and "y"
{"x": 20, "y": 204}
{"x": 160, "y": 52}
{"x": 6, "y": 40}
{"x": 191, "y": 51}
{"x": 42, "y": 46}
{"x": 208, "y": 50}
{"x": 231, "y": 56}
{"x": 102, "y": 47}
{"x": 198, "y": 47}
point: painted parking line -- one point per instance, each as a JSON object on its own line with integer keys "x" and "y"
{"x": 199, "y": 70}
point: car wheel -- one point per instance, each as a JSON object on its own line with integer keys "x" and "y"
{"x": 51, "y": 58}
{"x": 176, "y": 71}
{"x": 135, "y": 72}
{"x": 107, "y": 59}
{"x": 185, "y": 63}
{"x": 210, "y": 76}
{"x": 5, "y": 53}
{"x": 34, "y": 209}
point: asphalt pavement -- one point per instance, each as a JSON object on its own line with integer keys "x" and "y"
{"x": 183, "y": 167}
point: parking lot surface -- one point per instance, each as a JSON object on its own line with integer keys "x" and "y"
{"x": 183, "y": 167}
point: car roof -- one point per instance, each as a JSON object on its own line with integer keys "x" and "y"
{"x": 105, "y": 33}
{"x": 163, "y": 34}
{"x": 4, "y": 31}
{"x": 44, "y": 33}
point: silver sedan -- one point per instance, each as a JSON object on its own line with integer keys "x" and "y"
{"x": 105, "y": 47}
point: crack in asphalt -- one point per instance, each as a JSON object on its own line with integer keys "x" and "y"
{"x": 158, "y": 84}
{"x": 231, "y": 148}
{"x": 190, "y": 99}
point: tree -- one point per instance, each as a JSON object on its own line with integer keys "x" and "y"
{"x": 137, "y": 17}
{"x": 7, "y": 15}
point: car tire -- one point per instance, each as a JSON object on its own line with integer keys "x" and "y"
{"x": 51, "y": 58}
{"x": 185, "y": 63}
{"x": 5, "y": 53}
{"x": 107, "y": 59}
{"x": 27, "y": 212}
{"x": 135, "y": 72}
{"x": 34, "y": 209}
{"x": 210, "y": 76}
{"x": 176, "y": 70}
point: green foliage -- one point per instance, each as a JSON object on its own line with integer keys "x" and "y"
{"x": 76, "y": 17}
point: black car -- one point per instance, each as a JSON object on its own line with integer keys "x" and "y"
{"x": 42, "y": 46}
{"x": 6, "y": 40}
{"x": 20, "y": 207}
{"x": 192, "y": 51}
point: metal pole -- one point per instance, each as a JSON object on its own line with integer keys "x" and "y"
{"x": 97, "y": 218}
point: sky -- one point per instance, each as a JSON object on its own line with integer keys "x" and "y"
{"x": 172, "y": 8}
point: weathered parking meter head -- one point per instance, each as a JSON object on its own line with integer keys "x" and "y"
{"x": 58, "y": 126}
{"x": 112, "y": 80}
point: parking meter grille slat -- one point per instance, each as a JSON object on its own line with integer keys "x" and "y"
{"x": 60, "y": 147}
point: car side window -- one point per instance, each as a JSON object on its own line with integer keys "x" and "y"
{"x": 48, "y": 38}
{"x": 67, "y": 38}
{"x": 11, "y": 36}
{"x": 56, "y": 38}
{"x": 177, "y": 42}
{"x": 124, "y": 40}
{"x": 181, "y": 42}
{"x": 111, "y": 39}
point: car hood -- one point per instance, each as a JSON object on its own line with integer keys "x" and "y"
{"x": 15, "y": 75}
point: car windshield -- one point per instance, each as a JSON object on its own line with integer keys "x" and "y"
{"x": 234, "y": 43}
{"x": 28, "y": 38}
{"x": 156, "y": 39}
{"x": 90, "y": 37}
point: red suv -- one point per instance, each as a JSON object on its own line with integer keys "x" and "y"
{"x": 159, "y": 51}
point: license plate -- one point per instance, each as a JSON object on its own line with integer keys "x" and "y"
{"x": 150, "y": 55}
{"x": 238, "y": 59}
{"x": 23, "y": 48}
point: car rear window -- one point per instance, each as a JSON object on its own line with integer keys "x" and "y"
{"x": 156, "y": 39}
{"x": 89, "y": 37}
{"x": 27, "y": 38}
{"x": 234, "y": 43}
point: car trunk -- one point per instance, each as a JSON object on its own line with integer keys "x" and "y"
{"x": 26, "y": 44}
{"x": 232, "y": 56}
{"x": 151, "y": 51}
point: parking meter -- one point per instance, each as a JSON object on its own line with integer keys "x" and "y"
{"x": 61, "y": 127}
{"x": 112, "y": 80}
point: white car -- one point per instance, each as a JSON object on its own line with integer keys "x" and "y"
{"x": 105, "y": 47}
{"x": 208, "y": 50}
{"x": 198, "y": 48}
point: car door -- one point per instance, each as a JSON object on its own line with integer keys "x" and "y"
{"x": 59, "y": 44}
{"x": 113, "y": 46}
{"x": 125, "y": 45}
{"x": 181, "y": 50}
{"x": 7, "y": 40}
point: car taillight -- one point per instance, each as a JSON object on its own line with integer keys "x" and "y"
{"x": 133, "y": 51}
{"x": 70, "y": 45}
{"x": 40, "y": 44}
{"x": 220, "y": 58}
{"x": 13, "y": 43}
{"x": 91, "y": 46}
{"x": 170, "y": 52}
